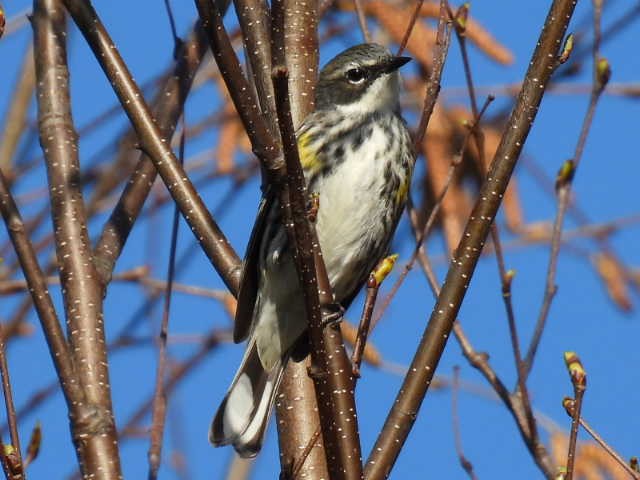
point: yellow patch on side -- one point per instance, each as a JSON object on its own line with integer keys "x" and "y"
{"x": 401, "y": 194}
{"x": 308, "y": 158}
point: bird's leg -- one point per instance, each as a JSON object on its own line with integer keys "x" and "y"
{"x": 313, "y": 205}
{"x": 332, "y": 312}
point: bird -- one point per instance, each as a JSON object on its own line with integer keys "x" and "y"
{"x": 358, "y": 158}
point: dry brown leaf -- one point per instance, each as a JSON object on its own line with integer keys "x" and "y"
{"x": 536, "y": 232}
{"x": 477, "y": 34}
{"x": 613, "y": 276}
{"x": 228, "y": 143}
{"x": 395, "y": 20}
{"x": 592, "y": 462}
{"x": 437, "y": 149}
{"x": 230, "y": 304}
{"x": 511, "y": 202}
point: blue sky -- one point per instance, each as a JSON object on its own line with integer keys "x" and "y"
{"x": 582, "y": 317}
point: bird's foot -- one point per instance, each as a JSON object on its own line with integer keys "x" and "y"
{"x": 332, "y": 314}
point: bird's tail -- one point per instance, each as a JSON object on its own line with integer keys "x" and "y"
{"x": 243, "y": 415}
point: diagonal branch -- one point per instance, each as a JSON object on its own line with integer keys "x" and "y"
{"x": 211, "y": 238}
{"x": 169, "y": 106}
{"x": 407, "y": 404}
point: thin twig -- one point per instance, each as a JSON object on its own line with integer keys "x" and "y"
{"x": 11, "y": 413}
{"x": 362, "y": 20}
{"x": 579, "y": 382}
{"x": 467, "y": 466}
{"x": 433, "y": 216}
{"x": 601, "y": 74}
{"x": 480, "y": 361}
{"x": 607, "y": 448}
{"x": 443, "y": 39}
{"x": 374, "y": 282}
{"x": 160, "y": 398}
{"x": 412, "y": 22}
{"x": 300, "y": 461}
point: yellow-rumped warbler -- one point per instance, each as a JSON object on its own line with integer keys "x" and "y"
{"x": 357, "y": 156}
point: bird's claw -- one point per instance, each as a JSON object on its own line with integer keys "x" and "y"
{"x": 332, "y": 314}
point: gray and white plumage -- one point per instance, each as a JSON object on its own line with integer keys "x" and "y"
{"x": 357, "y": 156}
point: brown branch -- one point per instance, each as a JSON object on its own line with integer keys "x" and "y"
{"x": 255, "y": 23}
{"x": 420, "y": 374}
{"x": 505, "y": 277}
{"x": 96, "y": 438}
{"x": 433, "y": 215}
{"x": 213, "y": 242}
{"x": 362, "y": 20}
{"x": 376, "y": 277}
{"x": 480, "y": 361}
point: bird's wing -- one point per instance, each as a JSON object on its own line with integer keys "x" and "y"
{"x": 250, "y": 271}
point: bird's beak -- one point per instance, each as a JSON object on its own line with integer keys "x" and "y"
{"x": 396, "y": 62}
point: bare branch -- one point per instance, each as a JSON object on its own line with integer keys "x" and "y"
{"x": 95, "y": 437}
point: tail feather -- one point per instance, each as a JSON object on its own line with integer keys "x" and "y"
{"x": 242, "y": 418}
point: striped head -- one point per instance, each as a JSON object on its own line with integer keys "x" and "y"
{"x": 361, "y": 80}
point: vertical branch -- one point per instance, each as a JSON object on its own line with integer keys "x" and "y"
{"x": 301, "y": 445}
{"x": 11, "y": 413}
{"x": 579, "y": 382}
{"x": 330, "y": 369}
{"x": 80, "y": 287}
{"x": 406, "y": 406}
{"x": 241, "y": 93}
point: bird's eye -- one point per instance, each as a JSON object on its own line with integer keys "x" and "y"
{"x": 356, "y": 76}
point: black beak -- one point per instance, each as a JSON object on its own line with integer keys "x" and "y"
{"x": 396, "y": 62}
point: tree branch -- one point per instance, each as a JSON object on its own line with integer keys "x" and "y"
{"x": 95, "y": 436}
